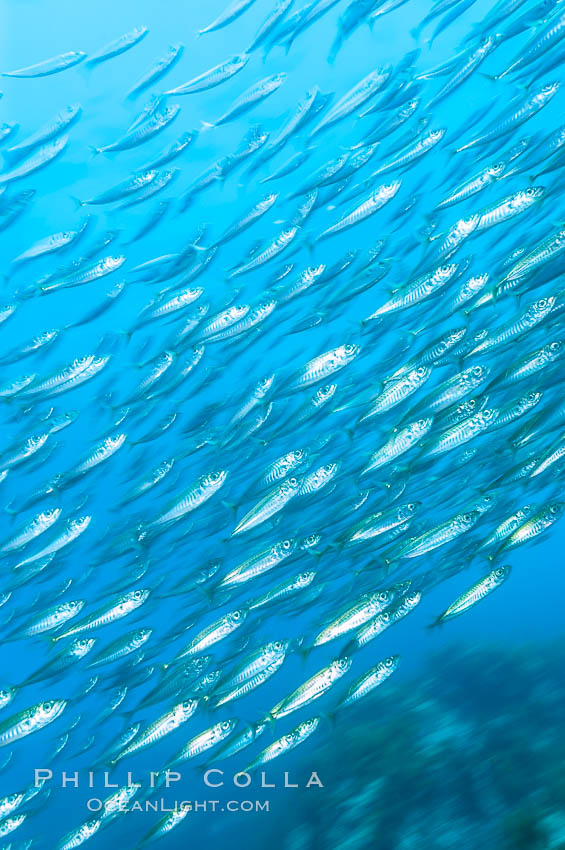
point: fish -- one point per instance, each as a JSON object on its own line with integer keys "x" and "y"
{"x": 313, "y": 688}
{"x": 388, "y": 618}
{"x": 57, "y": 126}
{"x": 271, "y": 504}
{"x": 213, "y": 77}
{"x": 30, "y": 720}
{"x": 32, "y": 529}
{"x": 367, "y": 683}
{"x": 246, "y": 101}
{"x": 202, "y": 490}
{"x": 115, "y": 610}
{"x": 75, "y": 652}
{"x": 364, "y": 610}
{"x": 363, "y": 91}
{"x": 156, "y": 731}
{"x": 231, "y": 13}
{"x": 214, "y": 632}
{"x": 119, "y": 45}
{"x": 49, "y": 66}
{"x": 55, "y": 242}
{"x": 530, "y": 107}
{"x": 157, "y": 71}
{"x": 429, "y": 540}
{"x": 121, "y": 647}
{"x": 260, "y": 563}
{"x": 282, "y": 242}
{"x": 288, "y": 742}
{"x": 475, "y": 594}
{"x": 205, "y": 740}
{"x": 75, "y": 528}
{"x": 538, "y": 44}
{"x": 371, "y": 205}
{"x": 533, "y": 526}
{"x": 324, "y": 366}
{"x": 270, "y": 23}
{"x": 402, "y": 441}
{"x": 158, "y": 122}
{"x": 165, "y": 824}
{"x": 40, "y": 159}
{"x": 397, "y": 391}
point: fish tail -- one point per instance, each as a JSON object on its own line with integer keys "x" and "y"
{"x": 231, "y": 506}
{"x": 206, "y": 125}
{"x": 270, "y": 719}
{"x": 349, "y": 648}
{"x": 435, "y": 624}
{"x": 207, "y": 593}
{"x": 303, "y": 652}
{"x": 77, "y": 201}
{"x": 330, "y": 716}
{"x": 335, "y": 48}
{"x": 85, "y": 68}
{"x": 94, "y": 150}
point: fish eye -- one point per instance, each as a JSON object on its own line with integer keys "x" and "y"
{"x": 554, "y": 510}
{"x": 293, "y": 481}
{"x": 137, "y": 594}
{"x": 383, "y": 597}
{"x": 411, "y": 506}
{"x": 226, "y": 725}
{"x": 286, "y": 544}
{"x": 421, "y": 371}
{"x": 477, "y": 370}
{"x": 499, "y": 572}
{"x": 277, "y": 645}
{"x": 48, "y": 706}
{"x": 389, "y": 662}
{"x": 236, "y": 615}
{"x": 467, "y": 517}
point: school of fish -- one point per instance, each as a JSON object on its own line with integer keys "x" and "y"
{"x": 320, "y": 432}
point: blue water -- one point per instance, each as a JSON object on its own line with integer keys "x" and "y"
{"x": 527, "y": 609}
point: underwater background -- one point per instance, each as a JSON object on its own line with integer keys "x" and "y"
{"x": 463, "y": 747}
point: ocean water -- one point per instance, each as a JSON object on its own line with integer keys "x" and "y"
{"x": 190, "y": 421}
